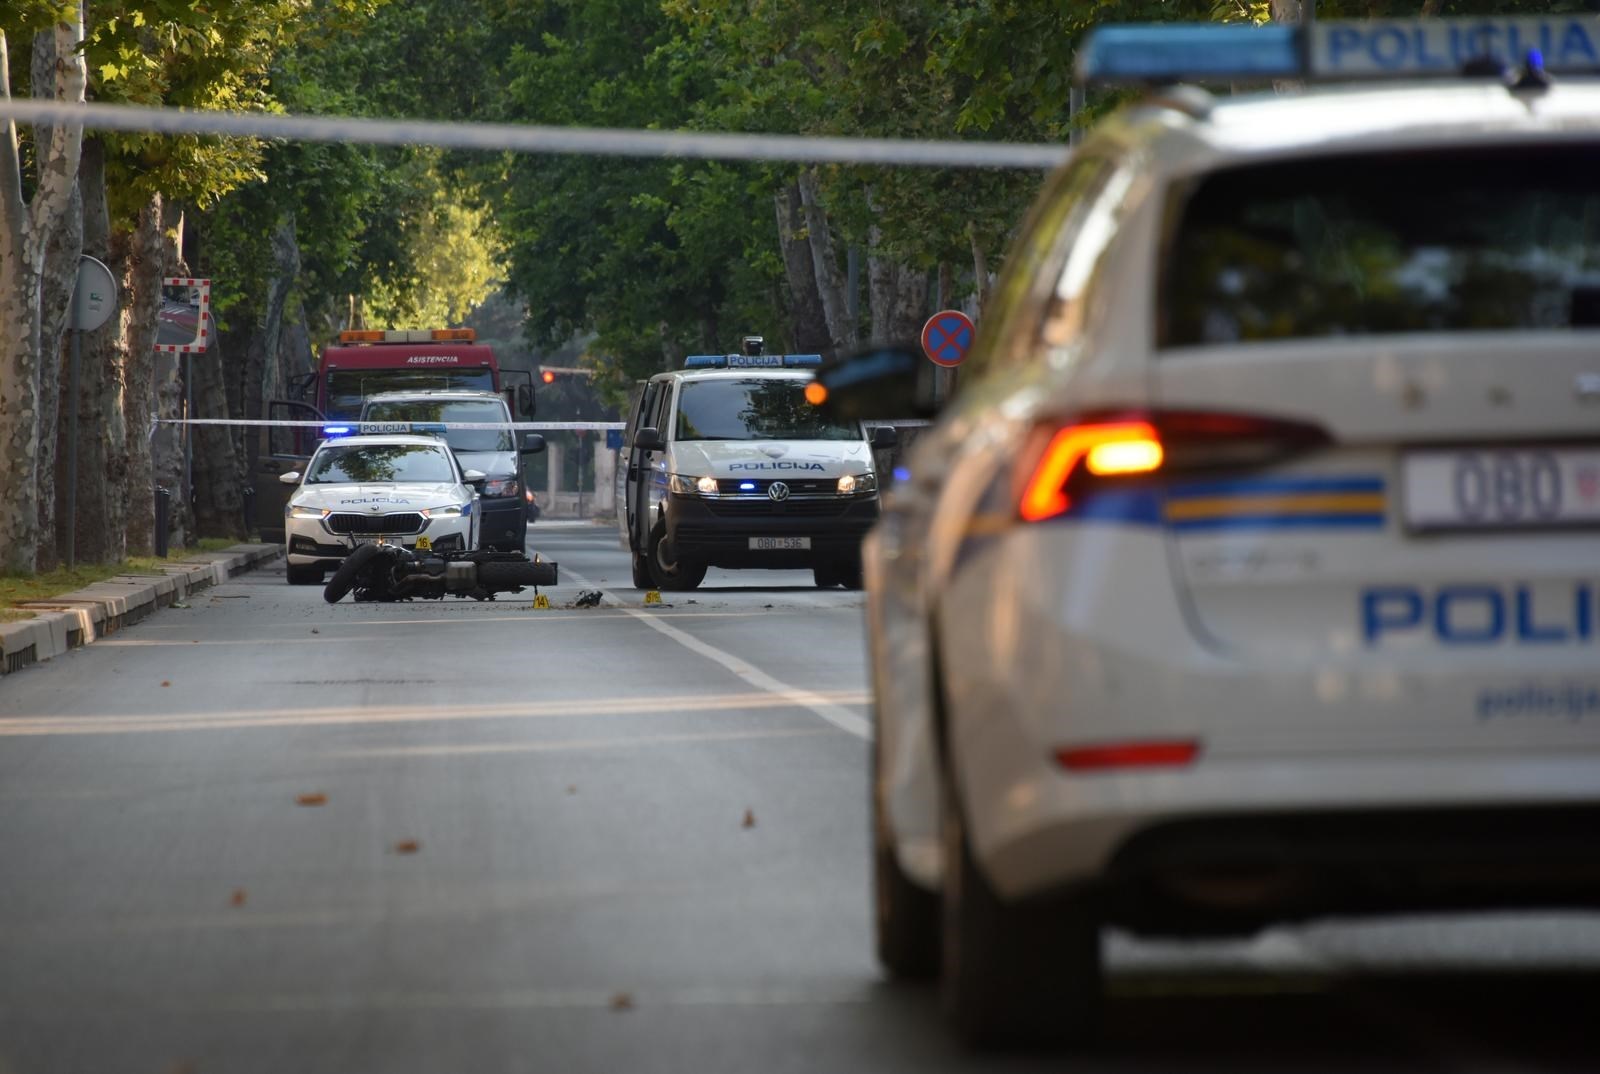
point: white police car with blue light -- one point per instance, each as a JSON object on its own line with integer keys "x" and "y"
{"x": 726, "y": 464}
{"x": 407, "y": 490}
{"x": 1252, "y": 574}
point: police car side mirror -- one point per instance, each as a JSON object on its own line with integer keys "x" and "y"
{"x": 884, "y": 437}
{"x": 649, "y": 439}
{"x": 887, "y": 383}
{"x": 289, "y": 477}
{"x": 532, "y": 444}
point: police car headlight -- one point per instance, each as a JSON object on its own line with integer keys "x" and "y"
{"x": 685, "y": 485}
{"x": 851, "y": 484}
{"x": 453, "y": 511}
{"x": 304, "y": 512}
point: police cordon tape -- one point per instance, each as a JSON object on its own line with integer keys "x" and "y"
{"x": 527, "y": 138}
{"x": 369, "y": 428}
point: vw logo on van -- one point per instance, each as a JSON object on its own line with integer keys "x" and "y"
{"x": 778, "y": 490}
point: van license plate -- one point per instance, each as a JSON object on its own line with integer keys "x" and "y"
{"x": 780, "y": 544}
{"x": 1502, "y": 488}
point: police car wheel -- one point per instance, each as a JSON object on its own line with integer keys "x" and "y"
{"x": 641, "y": 571}
{"x": 306, "y": 574}
{"x": 670, "y": 573}
{"x": 1024, "y": 974}
{"x": 906, "y": 915}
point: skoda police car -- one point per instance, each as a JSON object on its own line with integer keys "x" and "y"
{"x": 403, "y": 489}
{"x": 1253, "y": 573}
{"x": 728, "y": 465}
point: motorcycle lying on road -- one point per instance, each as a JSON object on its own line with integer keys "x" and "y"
{"x": 390, "y": 572}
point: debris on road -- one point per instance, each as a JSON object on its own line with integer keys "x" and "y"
{"x": 749, "y": 818}
{"x": 239, "y": 897}
{"x": 588, "y": 598}
{"x": 166, "y": 682}
{"x": 572, "y": 788}
{"x": 408, "y": 846}
{"x": 314, "y": 630}
{"x": 315, "y": 799}
{"x": 622, "y": 1001}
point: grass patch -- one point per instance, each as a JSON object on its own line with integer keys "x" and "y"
{"x": 18, "y": 588}
{"x": 214, "y": 544}
{"x": 14, "y": 615}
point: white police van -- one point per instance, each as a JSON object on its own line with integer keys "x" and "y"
{"x": 1253, "y": 573}
{"x": 726, "y": 464}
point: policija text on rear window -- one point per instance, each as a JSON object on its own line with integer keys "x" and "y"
{"x": 1439, "y": 241}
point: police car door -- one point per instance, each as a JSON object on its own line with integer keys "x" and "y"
{"x": 638, "y": 473}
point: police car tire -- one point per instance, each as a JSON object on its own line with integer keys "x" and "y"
{"x": 687, "y": 576}
{"x": 906, "y": 915}
{"x": 307, "y": 574}
{"x": 1021, "y": 974}
{"x": 344, "y": 579}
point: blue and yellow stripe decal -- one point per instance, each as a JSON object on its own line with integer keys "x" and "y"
{"x": 1331, "y": 502}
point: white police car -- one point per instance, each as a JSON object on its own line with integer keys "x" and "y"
{"x": 728, "y": 465}
{"x": 1253, "y": 574}
{"x": 406, "y": 490}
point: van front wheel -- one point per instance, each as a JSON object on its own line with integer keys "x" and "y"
{"x": 667, "y": 570}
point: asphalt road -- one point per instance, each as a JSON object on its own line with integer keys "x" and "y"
{"x": 262, "y": 834}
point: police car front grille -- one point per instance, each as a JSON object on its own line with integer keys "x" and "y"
{"x": 832, "y": 507}
{"x": 758, "y": 486}
{"x": 368, "y": 525}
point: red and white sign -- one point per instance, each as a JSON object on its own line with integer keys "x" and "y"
{"x": 947, "y": 337}
{"x": 186, "y": 320}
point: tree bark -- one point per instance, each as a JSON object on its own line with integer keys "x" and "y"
{"x": 144, "y": 303}
{"x": 825, "y": 264}
{"x": 219, "y": 506}
{"x": 59, "y": 277}
{"x": 170, "y": 372}
{"x": 808, "y": 321}
{"x": 102, "y": 440}
{"x": 26, "y": 228}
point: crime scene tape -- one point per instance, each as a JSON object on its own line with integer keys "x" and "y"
{"x": 528, "y": 138}
{"x": 371, "y": 428}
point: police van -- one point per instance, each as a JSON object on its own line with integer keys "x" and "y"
{"x": 726, "y": 464}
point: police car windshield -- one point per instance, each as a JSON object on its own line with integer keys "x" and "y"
{"x": 1430, "y": 241}
{"x": 347, "y": 463}
{"x": 769, "y": 409}
{"x": 487, "y": 411}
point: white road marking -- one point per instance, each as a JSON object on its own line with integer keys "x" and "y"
{"x": 529, "y": 999}
{"x": 561, "y": 745}
{"x": 841, "y": 718}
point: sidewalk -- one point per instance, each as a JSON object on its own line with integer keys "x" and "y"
{"x": 82, "y": 616}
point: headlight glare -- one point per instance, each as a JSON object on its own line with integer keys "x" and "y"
{"x": 852, "y": 484}
{"x": 304, "y": 512}
{"x": 452, "y": 511}
{"x": 684, "y": 485}
{"x": 500, "y": 486}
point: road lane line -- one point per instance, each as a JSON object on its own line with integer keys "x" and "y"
{"x": 842, "y": 718}
{"x": 561, "y": 745}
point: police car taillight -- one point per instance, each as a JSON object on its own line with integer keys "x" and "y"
{"x": 1062, "y": 461}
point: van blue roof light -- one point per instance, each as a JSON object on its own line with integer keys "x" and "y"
{"x": 752, "y": 361}
{"x": 1157, "y": 53}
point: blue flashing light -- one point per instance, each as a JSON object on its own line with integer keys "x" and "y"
{"x": 336, "y": 430}
{"x": 746, "y": 486}
{"x": 901, "y": 474}
{"x": 1535, "y": 60}
{"x": 752, "y": 361}
{"x": 706, "y": 361}
{"x": 802, "y": 361}
{"x": 1189, "y": 52}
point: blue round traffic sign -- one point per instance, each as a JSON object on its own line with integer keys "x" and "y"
{"x": 947, "y": 337}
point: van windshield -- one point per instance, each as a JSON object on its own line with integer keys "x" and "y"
{"x": 348, "y": 388}
{"x": 484, "y": 411}
{"x": 769, "y": 409}
{"x": 1458, "y": 240}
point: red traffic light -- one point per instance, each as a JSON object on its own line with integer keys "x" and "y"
{"x": 548, "y": 377}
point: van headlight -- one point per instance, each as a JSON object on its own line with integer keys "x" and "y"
{"x": 852, "y": 484}
{"x": 503, "y": 486}
{"x": 304, "y": 512}
{"x": 685, "y": 485}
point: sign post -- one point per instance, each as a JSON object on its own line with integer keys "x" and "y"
{"x": 184, "y": 328}
{"x": 94, "y": 296}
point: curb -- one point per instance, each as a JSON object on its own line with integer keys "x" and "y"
{"x": 83, "y": 616}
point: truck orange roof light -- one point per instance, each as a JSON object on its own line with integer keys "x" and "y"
{"x": 465, "y": 335}
{"x": 362, "y": 336}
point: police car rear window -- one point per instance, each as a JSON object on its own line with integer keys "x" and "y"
{"x": 1497, "y": 238}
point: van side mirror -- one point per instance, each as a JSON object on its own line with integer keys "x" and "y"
{"x": 649, "y": 439}
{"x": 884, "y": 437}
{"x": 532, "y": 444}
{"x": 889, "y": 382}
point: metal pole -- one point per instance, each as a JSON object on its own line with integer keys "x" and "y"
{"x": 188, "y": 430}
{"x": 72, "y": 433}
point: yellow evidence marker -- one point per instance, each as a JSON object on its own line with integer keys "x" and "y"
{"x": 541, "y": 601}
{"x": 424, "y": 543}
{"x": 652, "y": 596}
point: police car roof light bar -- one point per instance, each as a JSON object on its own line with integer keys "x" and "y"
{"x": 1164, "y": 53}
{"x": 752, "y": 361}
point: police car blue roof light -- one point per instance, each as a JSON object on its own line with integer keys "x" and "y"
{"x": 1339, "y": 50}
{"x": 336, "y": 430}
{"x": 752, "y": 361}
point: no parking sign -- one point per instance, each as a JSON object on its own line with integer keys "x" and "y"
{"x": 947, "y": 337}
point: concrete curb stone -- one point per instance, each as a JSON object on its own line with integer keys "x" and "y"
{"x": 78, "y": 618}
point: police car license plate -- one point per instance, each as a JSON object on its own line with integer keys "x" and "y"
{"x": 780, "y": 544}
{"x": 1501, "y": 488}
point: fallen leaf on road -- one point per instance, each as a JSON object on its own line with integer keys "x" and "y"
{"x": 408, "y": 846}
{"x": 572, "y": 788}
{"x": 622, "y": 1001}
{"x": 186, "y": 1066}
{"x": 311, "y": 799}
{"x": 749, "y": 818}
{"x": 166, "y": 682}
{"x": 314, "y": 630}
{"x": 239, "y": 897}
{"x": 177, "y": 604}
